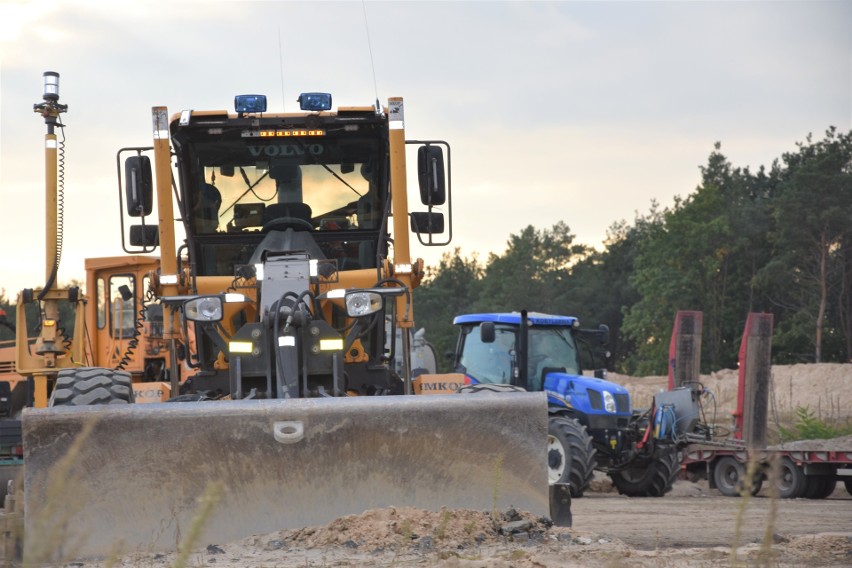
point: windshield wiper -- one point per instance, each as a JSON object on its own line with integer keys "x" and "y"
{"x": 329, "y": 170}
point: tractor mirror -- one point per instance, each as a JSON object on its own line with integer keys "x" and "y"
{"x": 486, "y": 332}
{"x": 603, "y": 331}
{"x": 430, "y": 169}
{"x": 144, "y": 235}
{"x": 139, "y": 186}
{"x": 427, "y": 223}
{"x": 124, "y": 291}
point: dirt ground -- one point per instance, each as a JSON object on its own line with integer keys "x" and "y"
{"x": 691, "y": 526}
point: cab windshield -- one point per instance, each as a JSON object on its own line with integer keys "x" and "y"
{"x": 328, "y": 191}
{"x": 238, "y": 181}
{"x": 551, "y": 349}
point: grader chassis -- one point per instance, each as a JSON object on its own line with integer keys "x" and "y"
{"x": 295, "y": 252}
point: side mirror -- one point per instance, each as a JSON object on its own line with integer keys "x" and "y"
{"x": 430, "y": 170}
{"x": 427, "y": 223}
{"x": 144, "y": 235}
{"x": 125, "y": 292}
{"x": 486, "y": 332}
{"x": 603, "y": 331}
{"x": 139, "y": 186}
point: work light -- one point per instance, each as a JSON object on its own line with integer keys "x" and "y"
{"x": 315, "y": 101}
{"x": 250, "y": 104}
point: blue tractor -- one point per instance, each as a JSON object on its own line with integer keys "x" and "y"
{"x": 591, "y": 425}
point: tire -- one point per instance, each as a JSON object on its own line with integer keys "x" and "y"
{"x": 652, "y": 479}
{"x": 730, "y": 476}
{"x": 791, "y": 480}
{"x": 570, "y": 454}
{"x": 88, "y": 386}
{"x": 819, "y": 486}
{"x": 848, "y": 483}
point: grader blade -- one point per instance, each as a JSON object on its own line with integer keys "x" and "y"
{"x": 136, "y": 476}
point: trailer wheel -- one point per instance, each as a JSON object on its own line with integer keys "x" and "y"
{"x": 91, "y": 385}
{"x": 791, "y": 480}
{"x": 570, "y": 455}
{"x": 651, "y": 479}
{"x": 819, "y": 486}
{"x": 729, "y": 476}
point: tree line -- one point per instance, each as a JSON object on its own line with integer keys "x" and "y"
{"x": 776, "y": 240}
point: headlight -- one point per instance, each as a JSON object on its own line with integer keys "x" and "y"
{"x": 609, "y": 402}
{"x": 363, "y": 303}
{"x": 206, "y": 308}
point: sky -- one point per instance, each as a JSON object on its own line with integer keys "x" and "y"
{"x": 579, "y": 112}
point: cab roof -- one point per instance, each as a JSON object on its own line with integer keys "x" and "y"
{"x": 514, "y": 318}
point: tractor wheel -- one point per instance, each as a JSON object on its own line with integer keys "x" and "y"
{"x": 791, "y": 480}
{"x": 730, "y": 476}
{"x": 652, "y": 479}
{"x": 570, "y": 455}
{"x": 91, "y": 385}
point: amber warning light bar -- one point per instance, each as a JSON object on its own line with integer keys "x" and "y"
{"x": 290, "y": 133}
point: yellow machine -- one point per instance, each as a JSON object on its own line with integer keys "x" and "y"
{"x": 283, "y": 248}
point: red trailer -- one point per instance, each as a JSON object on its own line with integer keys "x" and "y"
{"x": 743, "y": 461}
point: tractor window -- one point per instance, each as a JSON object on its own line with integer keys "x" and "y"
{"x": 101, "y": 299}
{"x": 489, "y": 362}
{"x": 550, "y": 348}
{"x": 122, "y": 292}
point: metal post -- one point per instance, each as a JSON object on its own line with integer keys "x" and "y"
{"x": 685, "y": 349}
{"x": 755, "y": 373}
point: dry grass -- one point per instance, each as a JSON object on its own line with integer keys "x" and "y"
{"x": 771, "y": 471}
{"x": 51, "y": 540}
{"x": 209, "y": 499}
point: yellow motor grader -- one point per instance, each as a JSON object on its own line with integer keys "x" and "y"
{"x": 282, "y": 242}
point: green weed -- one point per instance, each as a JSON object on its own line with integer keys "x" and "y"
{"x": 808, "y": 426}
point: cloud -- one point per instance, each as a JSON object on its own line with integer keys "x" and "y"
{"x": 580, "y": 112}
